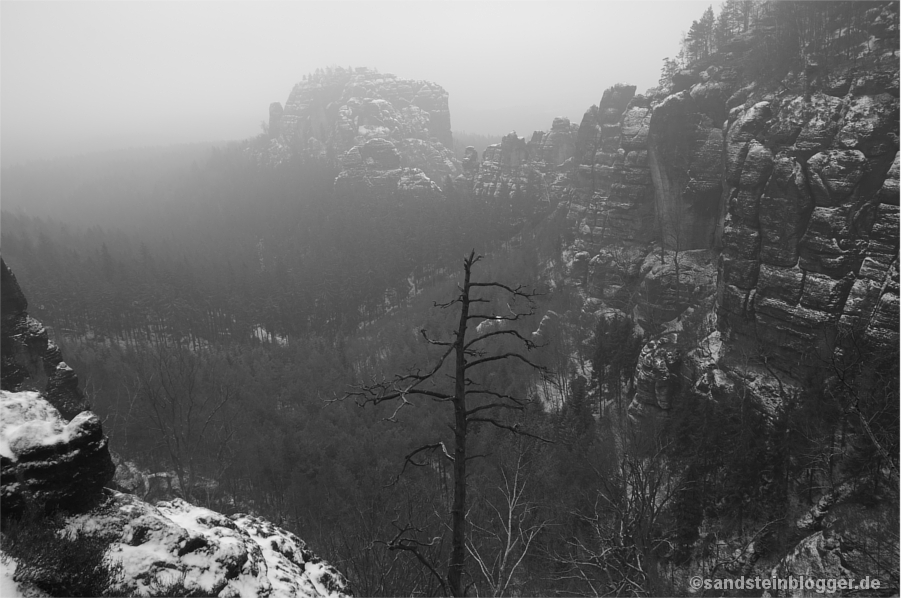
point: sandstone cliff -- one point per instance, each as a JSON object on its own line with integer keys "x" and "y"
{"x": 771, "y": 205}
{"x": 750, "y": 229}
{"x": 386, "y": 135}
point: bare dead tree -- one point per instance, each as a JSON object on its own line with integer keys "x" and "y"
{"x": 471, "y": 401}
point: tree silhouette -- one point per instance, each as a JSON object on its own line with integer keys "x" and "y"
{"x": 472, "y": 401}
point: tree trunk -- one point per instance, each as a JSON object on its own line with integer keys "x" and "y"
{"x": 458, "y": 510}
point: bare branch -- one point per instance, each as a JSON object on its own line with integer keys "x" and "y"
{"x": 505, "y": 356}
{"x": 519, "y": 406}
{"x": 528, "y": 343}
{"x": 408, "y": 460}
{"x": 514, "y": 428}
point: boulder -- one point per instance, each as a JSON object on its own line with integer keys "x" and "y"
{"x": 46, "y": 460}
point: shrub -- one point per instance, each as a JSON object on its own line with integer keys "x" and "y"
{"x": 58, "y": 563}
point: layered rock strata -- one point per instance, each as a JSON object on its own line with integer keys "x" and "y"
{"x": 47, "y": 461}
{"x": 790, "y": 199}
{"x": 810, "y": 234}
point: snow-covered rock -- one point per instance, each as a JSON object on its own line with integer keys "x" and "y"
{"x": 175, "y": 541}
{"x": 43, "y": 458}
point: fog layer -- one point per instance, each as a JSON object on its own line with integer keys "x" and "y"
{"x": 80, "y": 77}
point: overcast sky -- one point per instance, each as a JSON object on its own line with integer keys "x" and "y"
{"x": 79, "y": 77}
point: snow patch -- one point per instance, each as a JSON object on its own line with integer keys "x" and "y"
{"x": 28, "y": 421}
{"x": 8, "y": 587}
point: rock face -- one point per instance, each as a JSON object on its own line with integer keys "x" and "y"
{"x": 507, "y": 171}
{"x": 783, "y": 204}
{"x": 52, "y": 450}
{"x": 611, "y": 207}
{"x": 30, "y": 359}
{"x": 556, "y": 146}
{"x": 810, "y": 234}
{"x": 241, "y": 555}
{"x": 383, "y": 133}
{"x": 685, "y": 156}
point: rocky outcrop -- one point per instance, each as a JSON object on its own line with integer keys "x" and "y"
{"x": 30, "y": 360}
{"x": 366, "y": 124}
{"x": 657, "y": 378}
{"x": 507, "y": 171}
{"x": 611, "y": 204}
{"x": 52, "y": 450}
{"x": 470, "y": 163}
{"x": 46, "y": 460}
{"x": 207, "y": 552}
{"x": 556, "y": 146}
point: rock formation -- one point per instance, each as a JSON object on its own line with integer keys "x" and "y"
{"x": 779, "y": 208}
{"x": 751, "y": 230}
{"x": 46, "y": 460}
{"x": 31, "y": 361}
{"x": 506, "y": 170}
{"x": 241, "y": 555}
{"x": 53, "y": 451}
{"x": 384, "y": 134}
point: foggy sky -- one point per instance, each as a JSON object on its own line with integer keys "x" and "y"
{"x": 79, "y": 77}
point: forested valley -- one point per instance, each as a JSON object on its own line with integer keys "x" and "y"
{"x": 264, "y": 300}
{"x": 258, "y": 323}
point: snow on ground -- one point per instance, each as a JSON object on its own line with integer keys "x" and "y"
{"x": 241, "y": 555}
{"x": 264, "y": 336}
{"x": 28, "y": 421}
{"x": 550, "y": 395}
{"x": 292, "y": 569}
{"x": 8, "y": 588}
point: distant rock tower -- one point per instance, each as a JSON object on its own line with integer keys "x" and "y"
{"x": 470, "y": 161}
{"x": 275, "y": 119}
